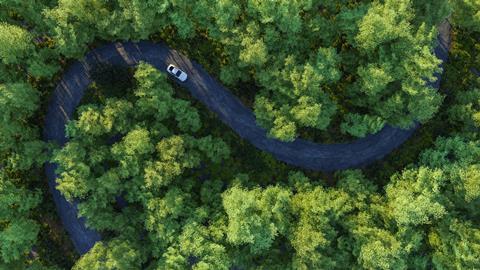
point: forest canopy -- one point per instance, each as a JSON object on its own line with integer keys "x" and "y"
{"x": 362, "y": 64}
{"x": 169, "y": 186}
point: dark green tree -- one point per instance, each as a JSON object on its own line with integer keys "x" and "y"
{"x": 18, "y": 233}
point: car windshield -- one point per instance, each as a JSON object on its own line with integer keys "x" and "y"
{"x": 178, "y": 73}
{"x": 170, "y": 68}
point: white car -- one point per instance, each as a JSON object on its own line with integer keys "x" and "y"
{"x": 177, "y": 73}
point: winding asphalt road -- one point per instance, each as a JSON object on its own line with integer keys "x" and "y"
{"x": 230, "y": 110}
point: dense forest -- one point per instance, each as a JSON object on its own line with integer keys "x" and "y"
{"x": 169, "y": 186}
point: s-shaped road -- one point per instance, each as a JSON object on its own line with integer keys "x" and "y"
{"x": 229, "y": 109}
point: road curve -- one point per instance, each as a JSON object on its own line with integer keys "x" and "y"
{"x": 217, "y": 98}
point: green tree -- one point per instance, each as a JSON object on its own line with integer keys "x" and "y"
{"x": 455, "y": 243}
{"x": 432, "y": 12}
{"x": 195, "y": 249}
{"x": 387, "y": 35}
{"x": 314, "y": 235}
{"x": 15, "y": 43}
{"x": 466, "y": 111}
{"x": 115, "y": 254}
{"x": 361, "y": 125}
{"x": 18, "y": 233}
{"x": 17, "y": 48}
{"x": 467, "y": 14}
{"x": 74, "y": 24}
{"x": 256, "y": 217}
{"x": 18, "y": 139}
{"x": 18, "y": 102}
{"x": 416, "y": 197}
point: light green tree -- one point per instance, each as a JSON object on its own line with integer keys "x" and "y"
{"x": 15, "y": 43}
{"x": 115, "y": 254}
{"x": 256, "y": 217}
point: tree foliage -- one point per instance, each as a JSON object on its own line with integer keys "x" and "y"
{"x": 21, "y": 152}
{"x": 18, "y": 233}
{"x": 15, "y": 43}
{"x": 17, "y": 48}
{"x": 168, "y": 191}
{"x": 467, "y": 14}
{"x": 116, "y": 254}
{"x": 256, "y": 217}
{"x": 377, "y": 54}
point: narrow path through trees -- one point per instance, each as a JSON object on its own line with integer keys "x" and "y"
{"x": 230, "y": 110}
